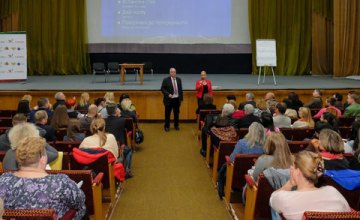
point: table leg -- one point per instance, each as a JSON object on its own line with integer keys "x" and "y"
{"x": 122, "y": 75}
{"x": 141, "y": 75}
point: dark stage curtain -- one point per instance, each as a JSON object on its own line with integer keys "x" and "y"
{"x": 56, "y": 34}
{"x": 289, "y": 23}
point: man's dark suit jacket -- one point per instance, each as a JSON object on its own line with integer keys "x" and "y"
{"x": 50, "y": 132}
{"x": 247, "y": 120}
{"x": 167, "y": 88}
{"x": 116, "y": 126}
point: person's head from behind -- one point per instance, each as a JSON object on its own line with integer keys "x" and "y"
{"x": 60, "y": 117}
{"x": 330, "y": 101}
{"x": 59, "y": 96}
{"x": 70, "y": 103}
{"x": 255, "y": 135}
{"x": 41, "y": 117}
{"x": 227, "y": 110}
{"x": 84, "y": 99}
{"x": 353, "y": 98}
{"x": 316, "y": 93}
{"x": 203, "y": 75}
{"x": 92, "y": 110}
{"x": 43, "y": 103}
{"x": 123, "y": 96}
{"x": 230, "y": 97}
{"x": 27, "y": 97}
{"x": 307, "y": 168}
{"x": 249, "y": 109}
{"x": 267, "y": 121}
{"x": 21, "y": 131}
{"x": 293, "y": 96}
{"x": 280, "y": 108}
{"x": 261, "y": 104}
{"x": 338, "y": 97}
{"x": 126, "y": 104}
{"x": 208, "y": 99}
{"x": 31, "y": 152}
{"x": 112, "y": 109}
{"x": 73, "y": 127}
{"x": 277, "y": 146}
{"x": 331, "y": 141}
{"x": 269, "y": 96}
{"x": 109, "y": 97}
{"x": 329, "y": 118}
{"x": 249, "y": 96}
{"x": 172, "y": 72}
{"x": 97, "y": 127}
{"x": 23, "y": 107}
{"x": 305, "y": 113}
{"x": 233, "y": 102}
{"x": 18, "y": 119}
{"x": 100, "y": 102}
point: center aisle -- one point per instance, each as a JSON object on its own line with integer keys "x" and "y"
{"x": 171, "y": 180}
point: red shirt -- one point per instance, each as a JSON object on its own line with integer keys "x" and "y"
{"x": 200, "y": 88}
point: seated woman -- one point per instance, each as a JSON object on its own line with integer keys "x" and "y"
{"x": 305, "y": 120}
{"x": 73, "y": 131}
{"x": 331, "y": 148}
{"x": 84, "y": 102}
{"x": 17, "y": 134}
{"x": 60, "y": 118}
{"x": 127, "y": 109}
{"x": 304, "y": 174}
{"x": 100, "y": 139}
{"x": 37, "y": 189}
{"x": 330, "y": 106}
{"x": 277, "y": 154}
{"x": 252, "y": 143}
{"x": 206, "y": 104}
{"x": 268, "y": 123}
{"x": 261, "y": 106}
{"x": 239, "y": 113}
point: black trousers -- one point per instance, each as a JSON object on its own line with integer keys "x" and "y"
{"x": 173, "y": 105}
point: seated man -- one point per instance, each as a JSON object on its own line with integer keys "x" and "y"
{"x": 316, "y": 102}
{"x": 270, "y": 101}
{"x": 42, "y": 104}
{"x": 249, "y": 100}
{"x": 60, "y": 99}
{"x": 85, "y": 121}
{"x": 4, "y": 138}
{"x": 41, "y": 120}
{"x": 281, "y": 120}
{"x": 249, "y": 117}
{"x": 353, "y": 110}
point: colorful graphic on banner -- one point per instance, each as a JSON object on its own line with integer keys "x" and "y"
{"x": 13, "y": 56}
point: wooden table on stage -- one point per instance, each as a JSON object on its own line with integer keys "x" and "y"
{"x": 124, "y": 66}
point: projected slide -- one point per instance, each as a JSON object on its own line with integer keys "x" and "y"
{"x": 171, "y": 18}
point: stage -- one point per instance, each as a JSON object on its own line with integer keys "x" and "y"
{"x": 222, "y": 82}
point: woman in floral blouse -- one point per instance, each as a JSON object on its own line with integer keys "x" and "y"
{"x": 32, "y": 188}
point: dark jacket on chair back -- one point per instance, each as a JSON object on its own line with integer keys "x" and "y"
{"x": 116, "y": 126}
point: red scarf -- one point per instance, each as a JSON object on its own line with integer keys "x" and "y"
{"x": 331, "y": 156}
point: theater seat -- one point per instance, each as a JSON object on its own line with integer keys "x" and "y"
{"x": 225, "y": 148}
{"x": 34, "y": 214}
{"x": 331, "y": 215}
{"x": 57, "y": 164}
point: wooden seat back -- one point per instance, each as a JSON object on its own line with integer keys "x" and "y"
{"x": 29, "y": 214}
{"x": 331, "y": 215}
{"x": 297, "y": 146}
{"x": 5, "y": 122}
{"x": 202, "y": 115}
{"x": 297, "y": 134}
{"x": 60, "y": 133}
{"x": 225, "y": 148}
{"x": 345, "y": 132}
{"x": 65, "y": 146}
{"x": 242, "y": 132}
{"x": 7, "y": 113}
{"x": 346, "y": 121}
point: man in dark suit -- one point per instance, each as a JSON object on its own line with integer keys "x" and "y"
{"x": 173, "y": 95}
{"x": 249, "y": 117}
{"x": 114, "y": 124}
{"x": 41, "y": 119}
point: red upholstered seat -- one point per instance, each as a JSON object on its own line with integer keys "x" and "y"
{"x": 34, "y": 214}
{"x": 331, "y": 215}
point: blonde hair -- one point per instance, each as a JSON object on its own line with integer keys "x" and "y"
{"x": 277, "y": 146}
{"x": 40, "y": 115}
{"x": 233, "y": 102}
{"x": 84, "y": 100}
{"x": 109, "y": 96}
{"x": 255, "y": 135}
{"x": 310, "y": 164}
{"x": 126, "y": 104}
{"x": 305, "y": 114}
{"x": 98, "y": 127}
{"x": 261, "y": 104}
{"x": 30, "y": 150}
{"x": 331, "y": 141}
{"x": 27, "y": 98}
{"x": 21, "y": 131}
{"x": 333, "y": 112}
